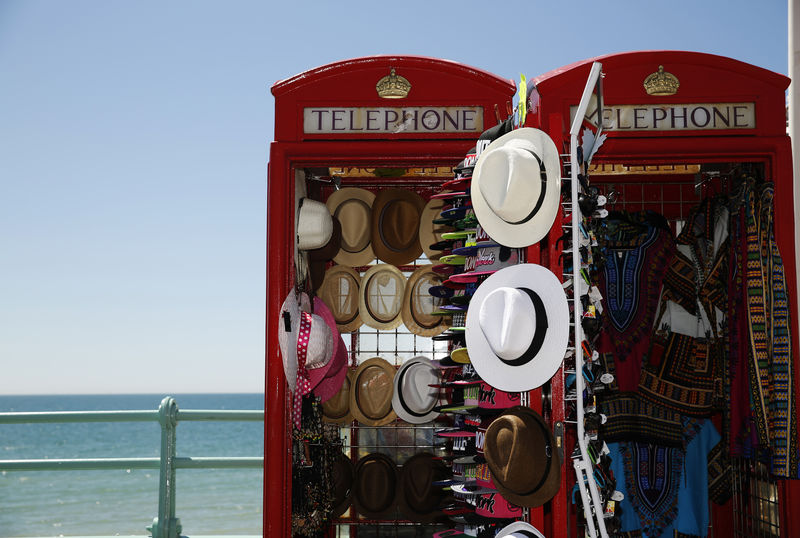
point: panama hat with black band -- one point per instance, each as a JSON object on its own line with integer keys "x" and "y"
{"x": 517, "y": 327}
{"x": 516, "y": 187}
{"x": 413, "y": 398}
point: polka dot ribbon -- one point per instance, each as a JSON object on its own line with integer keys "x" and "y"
{"x": 303, "y": 381}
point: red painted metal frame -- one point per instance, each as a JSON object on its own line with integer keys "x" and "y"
{"x": 349, "y": 83}
{"x": 704, "y": 78}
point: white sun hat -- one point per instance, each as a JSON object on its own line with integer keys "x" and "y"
{"x": 519, "y": 529}
{"x": 516, "y": 186}
{"x": 413, "y": 398}
{"x": 517, "y": 327}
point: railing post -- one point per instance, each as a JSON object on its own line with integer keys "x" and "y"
{"x": 166, "y": 525}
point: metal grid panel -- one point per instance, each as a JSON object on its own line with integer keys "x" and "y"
{"x": 399, "y": 439}
{"x": 755, "y": 497}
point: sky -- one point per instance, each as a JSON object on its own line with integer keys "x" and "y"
{"x": 134, "y": 139}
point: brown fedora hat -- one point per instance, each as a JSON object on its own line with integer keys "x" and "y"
{"x": 371, "y": 392}
{"x": 380, "y": 301}
{"x": 353, "y": 207}
{"x": 419, "y": 305}
{"x": 522, "y": 457}
{"x": 420, "y": 500}
{"x": 395, "y": 225}
{"x": 375, "y": 487}
{"x": 318, "y": 258}
{"x": 336, "y": 410}
{"x": 343, "y": 478}
{"x": 339, "y": 290}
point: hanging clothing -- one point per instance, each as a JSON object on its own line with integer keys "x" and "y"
{"x": 683, "y": 369}
{"x": 665, "y": 489}
{"x": 770, "y": 366}
{"x": 637, "y": 248}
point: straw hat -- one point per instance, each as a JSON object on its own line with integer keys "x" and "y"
{"x": 380, "y": 298}
{"x": 340, "y": 291}
{"x": 413, "y": 398}
{"x": 353, "y": 208}
{"x": 419, "y": 304}
{"x": 395, "y": 226}
{"x": 514, "y": 208}
{"x": 430, "y": 233}
{"x": 336, "y": 410}
{"x": 517, "y": 327}
{"x": 522, "y": 457}
{"x": 371, "y": 392}
{"x": 375, "y": 487}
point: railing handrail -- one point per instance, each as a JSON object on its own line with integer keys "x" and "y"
{"x": 166, "y": 525}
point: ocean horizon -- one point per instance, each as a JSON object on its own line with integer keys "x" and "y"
{"x": 124, "y": 502}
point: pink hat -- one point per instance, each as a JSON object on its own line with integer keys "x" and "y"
{"x": 495, "y": 505}
{"x": 332, "y": 379}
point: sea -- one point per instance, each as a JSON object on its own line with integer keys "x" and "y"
{"x": 124, "y": 502}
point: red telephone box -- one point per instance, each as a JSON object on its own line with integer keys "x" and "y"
{"x": 405, "y": 121}
{"x": 670, "y": 145}
{"x": 337, "y": 117}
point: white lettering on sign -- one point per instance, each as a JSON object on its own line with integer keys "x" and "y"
{"x": 675, "y": 117}
{"x": 453, "y": 119}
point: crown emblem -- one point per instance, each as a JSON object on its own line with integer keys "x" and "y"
{"x": 661, "y": 83}
{"x": 393, "y": 86}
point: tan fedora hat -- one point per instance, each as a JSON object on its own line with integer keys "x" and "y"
{"x": 371, "y": 392}
{"x": 430, "y": 233}
{"x": 419, "y": 305}
{"x": 522, "y": 456}
{"x": 380, "y": 299}
{"x": 340, "y": 291}
{"x": 353, "y": 208}
{"x": 395, "y": 225}
{"x": 336, "y": 410}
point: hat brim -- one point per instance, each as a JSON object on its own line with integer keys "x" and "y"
{"x": 355, "y": 409}
{"x": 345, "y": 417}
{"x": 399, "y": 405}
{"x": 407, "y": 312}
{"x": 363, "y": 308}
{"x": 540, "y": 368}
{"x": 334, "y": 201}
{"x": 522, "y": 528}
{"x": 428, "y": 234}
{"x": 538, "y": 226}
{"x": 332, "y": 381}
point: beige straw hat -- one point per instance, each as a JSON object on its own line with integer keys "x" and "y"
{"x": 419, "y": 305}
{"x": 353, "y": 208}
{"x": 381, "y": 297}
{"x": 340, "y": 291}
{"x": 371, "y": 392}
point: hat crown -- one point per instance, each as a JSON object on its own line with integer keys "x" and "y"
{"x": 320, "y": 343}
{"x": 337, "y": 406}
{"x": 354, "y": 215}
{"x": 507, "y": 318}
{"x": 511, "y": 184}
{"x": 517, "y": 456}
{"x": 384, "y": 294}
{"x": 416, "y": 390}
{"x": 314, "y": 225}
{"x": 399, "y": 224}
{"x": 373, "y": 385}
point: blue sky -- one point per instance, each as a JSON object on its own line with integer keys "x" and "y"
{"x": 133, "y": 147}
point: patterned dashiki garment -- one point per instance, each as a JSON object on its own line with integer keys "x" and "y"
{"x": 683, "y": 366}
{"x": 637, "y": 248}
{"x": 665, "y": 489}
{"x": 770, "y": 363}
